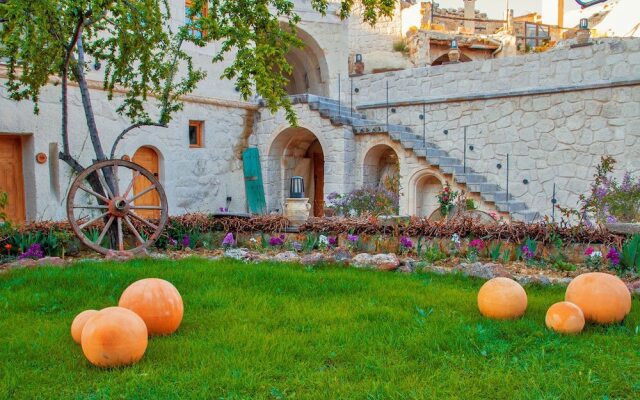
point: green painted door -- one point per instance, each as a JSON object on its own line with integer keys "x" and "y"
{"x": 253, "y": 181}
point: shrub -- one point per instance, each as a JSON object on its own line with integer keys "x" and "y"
{"x": 630, "y": 257}
{"x": 368, "y": 200}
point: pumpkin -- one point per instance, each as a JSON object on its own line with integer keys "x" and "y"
{"x": 603, "y": 298}
{"x": 114, "y": 337}
{"x": 78, "y": 324}
{"x": 157, "y": 302}
{"x": 565, "y": 317}
{"x": 502, "y": 298}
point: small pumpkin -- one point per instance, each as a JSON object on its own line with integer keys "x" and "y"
{"x": 502, "y": 298}
{"x": 603, "y": 298}
{"x": 157, "y": 302}
{"x": 78, "y": 324}
{"x": 114, "y": 337}
{"x": 565, "y": 317}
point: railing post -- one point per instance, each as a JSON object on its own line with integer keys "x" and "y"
{"x": 464, "y": 162}
{"x": 351, "y": 91}
{"x": 387, "y": 106}
{"x": 424, "y": 125}
{"x": 339, "y": 97}
{"x": 507, "y": 183}
{"x": 553, "y": 204}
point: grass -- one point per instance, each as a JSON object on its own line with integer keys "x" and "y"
{"x": 277, "y": 331}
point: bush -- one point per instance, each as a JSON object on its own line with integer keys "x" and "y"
{"x": 368, "y": 200}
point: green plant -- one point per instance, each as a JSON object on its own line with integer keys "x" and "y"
{"x": 401, "y": 46}
{"x": 470, "y": 204}
{"x": 4, "y": 200}
{"x": 24, "y": 240}
{"x": 433, "y": 254}
{"x": 494, "y": 251}
{"x": 506, "y": 255}
{"x": 564, "y": 266}
{"x": 630, "y": 256}
{"x": 368, "y": 200}
{"x": 446, "y": 199}
{"x": 310, "y": 242}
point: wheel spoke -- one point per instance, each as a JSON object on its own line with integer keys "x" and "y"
{"x": 126, "y": 192}
{"x": 145, "y": 208}
{"x": 103, "y": 182}
{"x": 91, "y": 192}
{"x": 105, "y": 230}
{"x": 133, "y": 229}
{"x": 91, "y": 221}
{"x": 144, "y": 221}
{"x": 92, "y": 207}
{"x": 116, "y": 179}
{"x": 120, "y": 242}
{"x": 147, "y": 190}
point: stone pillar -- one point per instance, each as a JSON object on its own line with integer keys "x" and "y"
{"x": 470, "y": 12}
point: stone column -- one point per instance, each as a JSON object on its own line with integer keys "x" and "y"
{"x": 470, "y": 12}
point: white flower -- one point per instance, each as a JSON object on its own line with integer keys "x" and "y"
{"x": 455, "y": 238}
{"x": 323, "y": 240}
{"x": 596, "y": 254}
{"x": 253, "y": 240}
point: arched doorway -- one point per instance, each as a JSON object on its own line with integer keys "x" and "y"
{"x": 445, "y": 58}
{"x": 382, "y": 168}
{"x": 148, "y": 158}
{"x": 309, "y": 67}
{"x": 297, "y": 152}
{"x": 427, "y": 188}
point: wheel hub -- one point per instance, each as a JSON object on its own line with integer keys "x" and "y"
{"x": 118, "y": 207}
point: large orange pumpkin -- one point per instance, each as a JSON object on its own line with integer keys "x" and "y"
{"x": 78, "y": 324}
{"x": 157, "y": 302}
{"x": 502, "y": 298}
{"x": 565, "y": 317}
{"x": 603, "y": 298}
{"x": 113, "y": 337}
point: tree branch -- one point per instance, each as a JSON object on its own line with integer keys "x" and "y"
{"x": 72, "y": 162}
{"x": 129, "y": 129}
{"x": 65, "y": 78}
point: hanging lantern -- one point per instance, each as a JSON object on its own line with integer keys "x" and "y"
{"x": 296, "y": 190}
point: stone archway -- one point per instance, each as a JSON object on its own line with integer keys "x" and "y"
{"x": 427, "y": 188}
{"x": 296, "y": 152}
{"x": 310, "y": 70}
{"x": 381, "y": 168}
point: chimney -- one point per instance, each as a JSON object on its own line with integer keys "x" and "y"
{"x": 470, "y": 12}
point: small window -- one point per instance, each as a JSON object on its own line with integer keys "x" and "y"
{"x": 190, "y": 17}
{"x": 195, "y": 133}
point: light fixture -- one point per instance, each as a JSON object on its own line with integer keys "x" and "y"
{"x": 584, "y": 23}
{"x": 296, "y": 190}
{"x": 358, "y": 58}
{"x": 454, "y": 44}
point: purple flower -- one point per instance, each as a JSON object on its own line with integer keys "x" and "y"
{"x": 297, "y": 246}
{"x": 406, "y": 242}
{"x": 223, "y": 209}
{"x": 34, "y": 251}
{"x": 613, "y": 256}
{"x": 601, "y": 192}
{"x": 333, "y": 241}
{"x": 172, "y": 242}
{"x": 229, "y": 240}
{"x": 527, "y": 254}
{"x": 611, "y": 219}
{"x": 186, "y": 241}
{"x": 352, "y": 238}
{"x": 276, "y": 241}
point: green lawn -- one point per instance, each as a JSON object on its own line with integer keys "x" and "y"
{"x": 284, "y": 331}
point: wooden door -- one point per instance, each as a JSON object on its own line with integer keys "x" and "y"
{"x": 318, "y": 183}
{"x": 11, "y": 178}
{"x": 253, "y": 181}
{"x": 147, "y": 158}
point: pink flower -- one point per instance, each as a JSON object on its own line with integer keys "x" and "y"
{"x": 478, "y": 244}
{"x": 588, "y": 251}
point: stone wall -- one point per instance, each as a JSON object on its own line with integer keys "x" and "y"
{"x": 554, "y": 113}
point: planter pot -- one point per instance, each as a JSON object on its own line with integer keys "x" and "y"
{"x": 583, "y": 36}
{"x": 297, "y": 210}
{"x": 626, "y": 228}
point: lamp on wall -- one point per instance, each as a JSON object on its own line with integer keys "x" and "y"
{"x": 296, "y": 190}
{"x": 358, "y": 58}
{"x": 454, "y": 44}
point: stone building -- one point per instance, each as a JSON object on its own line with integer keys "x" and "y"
{"x": 552, "y": 114}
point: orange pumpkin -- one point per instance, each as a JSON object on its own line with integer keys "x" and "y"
{"x": 565, "y": 317}
{"x": 603, "y": 298}
{"x": 157, "y": 302}
{"x": 114, "y": 337}
{"x": 502, "y": 298}
{"x": 78, "y": 324}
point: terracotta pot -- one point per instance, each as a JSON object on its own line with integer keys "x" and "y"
{"x": 297, "y": 210}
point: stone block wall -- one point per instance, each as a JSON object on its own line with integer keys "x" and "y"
{"x": 554, "y": 113}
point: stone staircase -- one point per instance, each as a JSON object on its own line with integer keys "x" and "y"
{"x": 427, "y": 151}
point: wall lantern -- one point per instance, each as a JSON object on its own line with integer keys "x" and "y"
{"x": 358, "y": 58}
{"x": 296, "y": 190}
{"x": 454, "y": 44}
{"x": 41, "y": 158}
{"x": 584, "y": 23}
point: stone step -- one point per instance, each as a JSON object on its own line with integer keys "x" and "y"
{"x": 482, "y": 187}
{"x": 452, "y": 169}
{"x": 471, "y": 178}
{"x": 449, "y": 161}
{"x": 511, "y": 206}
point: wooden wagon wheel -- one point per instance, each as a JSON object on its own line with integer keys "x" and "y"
{"x": 102, "y": 209}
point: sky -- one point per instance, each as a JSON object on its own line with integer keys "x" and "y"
{"x": 495, "y": 8}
